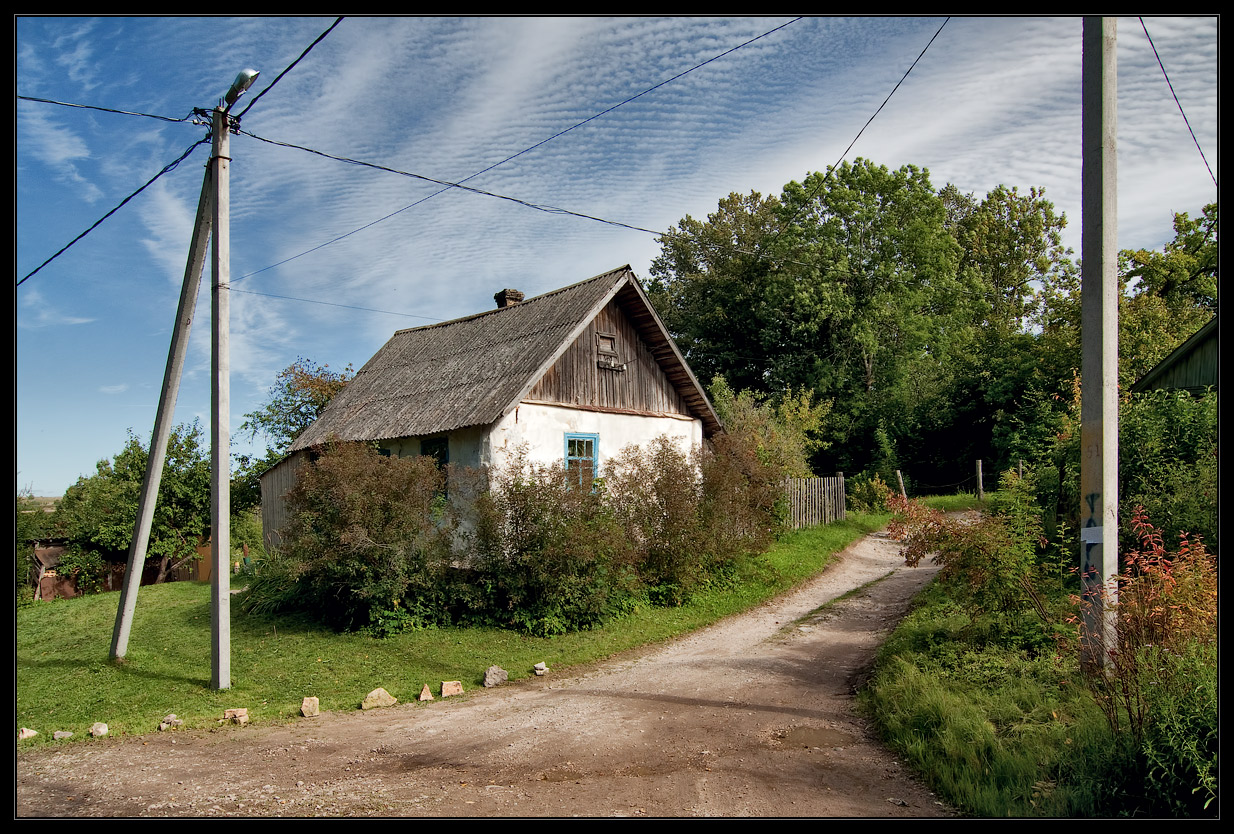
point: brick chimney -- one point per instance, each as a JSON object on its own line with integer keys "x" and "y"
{"x": 507, "y": 298}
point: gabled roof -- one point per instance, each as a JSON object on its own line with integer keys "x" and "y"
{"x": 474, "y": 370}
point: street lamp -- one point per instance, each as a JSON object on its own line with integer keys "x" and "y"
{"x": 243, "y": 81}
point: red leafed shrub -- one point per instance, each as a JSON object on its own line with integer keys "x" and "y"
{"x": 1158, "y": 688}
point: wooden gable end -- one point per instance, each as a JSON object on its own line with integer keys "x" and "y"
{"x": 609, "y": 366}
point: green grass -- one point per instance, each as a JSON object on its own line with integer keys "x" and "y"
{"x": 65, "y": 680}
{"x": 953, "y": 503}
{"x": 990, "y": 720}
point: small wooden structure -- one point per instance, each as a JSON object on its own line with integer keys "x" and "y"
{"x": 1192, "y": 366}
{"x": 814, "y": 501}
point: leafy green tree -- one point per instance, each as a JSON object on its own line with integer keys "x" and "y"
{"x": 31, "y": 523}
{"x": 300, "y": 393}
{"x": 717, "y": 292}
{"x": 783, "y": 433}
{"x": 845, "y": 286}
{"x": 1012, "y": 247}
{"x": 1185, "y": 272}
{"x": 880, "y": 288}
{"x": 98, "y": 513}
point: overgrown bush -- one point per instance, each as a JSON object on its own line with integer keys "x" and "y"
{"x": 868, "y": 493}
{"x": 993, "y": 563}
{"x": 1158, "y": 689}
{"x": 85, "y": 566}
{"x": 548, "y": 557}
{"x": 1168, "y": 463}
{"x": 367, "y": 545}
{"x": 690, "y": 518}
{"x": 744, "y": 506}
{"x": 656, "y": 494}
{"x": 384, "y": 544}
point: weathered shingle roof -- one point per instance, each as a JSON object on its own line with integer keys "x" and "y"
{"x": 473, "y": 370}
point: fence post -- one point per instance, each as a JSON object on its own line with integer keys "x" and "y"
{"x": 900, "y": 478}
{"x": 980, "y": 490}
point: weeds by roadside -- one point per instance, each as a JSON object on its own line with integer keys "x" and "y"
{"x": 981, "y": 688}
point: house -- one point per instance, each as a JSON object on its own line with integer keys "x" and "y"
{"x": 573, "y": 376}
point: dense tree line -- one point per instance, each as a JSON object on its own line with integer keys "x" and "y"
{"x": 938, "y": 327}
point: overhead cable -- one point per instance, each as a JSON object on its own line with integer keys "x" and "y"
{"x": 335, "y": 304}
{"x": 105, "y": 109}
{"x": 289, "y": 67}
{"x": 170, "y": 166}
{"x": 1179, "y": 103}
{"x": 827, "y": 175}
{"x": 524, "y": 150}
{"x": 537, "y": 206}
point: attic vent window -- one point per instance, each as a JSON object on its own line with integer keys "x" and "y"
{"x": 606, "y": 348}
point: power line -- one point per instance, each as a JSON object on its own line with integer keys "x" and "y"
{"x": 170, "y": 166}
{"x": 106, "y": 109}
{"x": 334, "y": 304}
{"x": 1179, "y": 103}
{"x": 523, "y": 151}
{"x": 827, "y": 175}
{"x": 306, "y": 51}
{"x": 537, "y": 206}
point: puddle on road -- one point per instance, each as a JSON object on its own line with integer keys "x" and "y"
{"x": 809, "y": 737}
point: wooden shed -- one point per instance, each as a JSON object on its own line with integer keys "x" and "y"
{"x": 572, "y": 376}
{"x": 1193, "y": 365}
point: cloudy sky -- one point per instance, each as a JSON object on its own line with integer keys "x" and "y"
{"x": 330, "y": 258}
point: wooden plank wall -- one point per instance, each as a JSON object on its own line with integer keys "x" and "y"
{"x": 274, "y": 485}
{"x": 575, "y": 378}
{"x": 814, "y": 501}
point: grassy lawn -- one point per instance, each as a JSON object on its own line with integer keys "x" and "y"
{"x": 65, "y": 680}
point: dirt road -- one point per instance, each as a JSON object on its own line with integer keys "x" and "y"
{"x": 751, "y": 717}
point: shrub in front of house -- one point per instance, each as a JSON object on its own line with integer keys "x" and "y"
{"x": 368, "y": 544}
{"x": 384, "y": 544}
{"x": 546, "y": 557}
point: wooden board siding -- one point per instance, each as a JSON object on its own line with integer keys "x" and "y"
{"x": 576, "y": 378}
{"x": 1192, "y": 366}
{"x": 275, "y": 482}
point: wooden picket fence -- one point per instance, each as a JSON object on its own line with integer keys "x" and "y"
{"x": 814, "y": 501}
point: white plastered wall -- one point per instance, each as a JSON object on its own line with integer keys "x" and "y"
{"x": 543, "y": 429}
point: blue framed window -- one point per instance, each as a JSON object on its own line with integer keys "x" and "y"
{"x": 582, "y": 455}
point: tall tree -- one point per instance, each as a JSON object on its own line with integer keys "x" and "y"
{"x": 882, "y": 296}
{"x": 300, "y": 393}
{"x": 1012, "y": 246}
{"x": 1167, "y": 295}
{"x": 1184, "y": 274}
{"x": 715, "y": 289}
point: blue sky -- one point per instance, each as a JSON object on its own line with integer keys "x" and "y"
{"x": 994, "y": 100}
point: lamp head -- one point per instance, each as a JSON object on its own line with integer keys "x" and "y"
{"x": 243, "y": 81}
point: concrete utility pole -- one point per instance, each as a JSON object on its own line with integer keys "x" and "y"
{"x": 220, "y": 419}
{"x": 220, "y": 391}
{"x": 162, "y": 422}
{"x": 212, "y": 215}
{"x": 1099, "y": 341}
